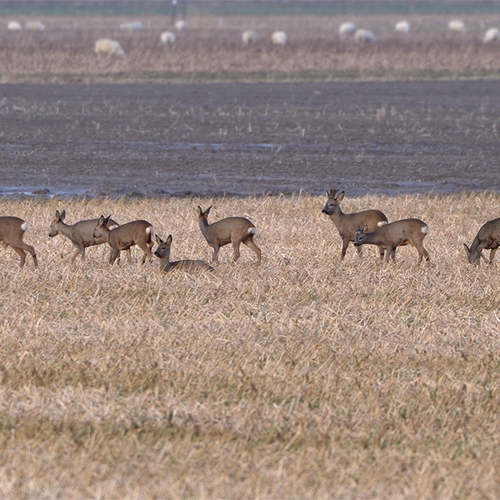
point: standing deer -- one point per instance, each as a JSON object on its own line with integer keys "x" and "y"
{"x": 233, "y": 230}
{"x": 488, "y": 238}
{"x": 347, "y": 223}
{"x": 163, "y": 253}
{"x": 80, "y": 233}
{"x": 395, "y": 234}
{"x": 12, "y": 230}
{"x": 137, "y": 232}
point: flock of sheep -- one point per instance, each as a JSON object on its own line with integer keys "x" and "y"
{"x": 250, "y": 37}
{"x": 366, "y": 227}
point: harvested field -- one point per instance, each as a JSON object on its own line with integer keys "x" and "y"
{"x": 211, "y": 49}
{"x": 303, "y": 377}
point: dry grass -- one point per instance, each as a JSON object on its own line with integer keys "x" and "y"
{"x": 303, "y": 377}
{"x": 212, "y": 50}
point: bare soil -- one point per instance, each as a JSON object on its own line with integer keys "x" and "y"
{"x": 246, "y": 139}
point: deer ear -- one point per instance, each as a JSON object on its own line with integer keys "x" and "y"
{"x": 199, "y": 210}
{"x": 158, "y": 239}
{"x": 467, "y": 250}
{"x": 207, "y": 211}
{"x": 169, "y": 240}
{"x": 62, "y": 215}
{"x": 340, "y": 196}
{"x": 365, "y": 229}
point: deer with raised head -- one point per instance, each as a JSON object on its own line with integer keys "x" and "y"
{"x": 487, "y": 238}
{"x": 137, "y": 232}
{"x": 347, "y": 223}
{"x": 395, "y": 234}
{"x": 12, "y": 230}
{"x": 234, "y": 230}
{"x": 163, "y": 253}
{"x": 81, "y": 234}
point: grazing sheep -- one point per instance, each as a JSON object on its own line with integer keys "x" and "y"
{"x": 364, "y": 36}
{"x": 456, "y": 25}
{"x": 34, "y": 26}
{"x": 107, "y": 46}
{"x": 180, "y": 25}
{"x": 14, "y": 26}
{"x": 492, "y": 35}
{"x": 279, "y": 38}
{"x": 133, "y": 26}
{"x": 167, "y": 38}
{"x": 249, "y": 37}
{"x": 347, "y": 28}
{"x": 402, "y": 27}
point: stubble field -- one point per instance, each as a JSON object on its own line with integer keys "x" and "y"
{"x": 304, "y": 377}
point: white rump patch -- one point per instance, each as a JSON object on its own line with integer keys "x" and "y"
{"x": 251, "y": 230}
{"x": 24, "y": 226}
{"x": 114, "y": 226}
{"x": 381, "y": 223}
{"x": 425, "y": 229}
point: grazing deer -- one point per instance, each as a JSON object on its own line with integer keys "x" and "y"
{"x": 137, "y": 232}
{"x": 488, "y": 238}
{"x": 395, "y": 234}
{"x": 347, "y": 223}
{"x": 233, "y": 230}
{"x": 12, "y": 230}
{"x": 80, "y": 233}
{"x": 163, "y": 253}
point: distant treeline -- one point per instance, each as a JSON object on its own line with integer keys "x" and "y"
{"x": 246, "y": 7}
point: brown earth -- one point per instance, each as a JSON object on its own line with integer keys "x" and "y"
{"x": 241, "y": 139}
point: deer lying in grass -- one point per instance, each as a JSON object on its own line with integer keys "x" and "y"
{"x": 233, "y": 230}
{"x": 347, "y": 223}
{"x": 137, "y": 232}
{"x": 163, "y": 253}
{"x": 487, "y": 238}
{"x": 81, "y": 234}
{"x": 395, "y": 234}
{"x": 12, "y": 230}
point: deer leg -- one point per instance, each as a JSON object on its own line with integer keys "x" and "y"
{"x": 215, "y": 257}
{"x": 422, "y": 252}
{"x": 360, "y": 251}
{"x": 115, "y": 252}
{"x": 236, "y": 250}
{"x": 31, "y": 251}
{"x": 147, "y": 252}
{"x": 129, "y": 255}
{"x": 382, "y": 253}
{"x": 21, "y": 254}
{"x": 251, "y": 244}
{"x": 77, "y": 252}
{"x": 492, "y": 254}
{"x": 345, "y": 244}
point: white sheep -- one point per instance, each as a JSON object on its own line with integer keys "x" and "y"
{"x": 347, "y": 28}
{"x": 34, "y": 26}
{"x": 249, "y": 37}
{"x": 180, "y": 25}
{"x": 492, "y": 35}
{"x": 167, "y": 38}
{"x": 14, "y": 26}
{"x": 402, "y": 26}
{"x": 107, "y": 46}
{"x": 364, "y": 36}
{"x": 132, "y": 26}
{"x": 456, "y": 25}
{"x": 279, "y": 38}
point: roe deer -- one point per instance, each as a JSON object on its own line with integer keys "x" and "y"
{"x": 137, "y": 232}
{"x": 347, "y": 223}
{"x": 233, "y": 230}
{"x": 395, "y": 234}
{"x": 163, "y": 253}
{"x": 80, "y": 233}
{"x": 12, "y": 230}
{"x": 488, "y": 238}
